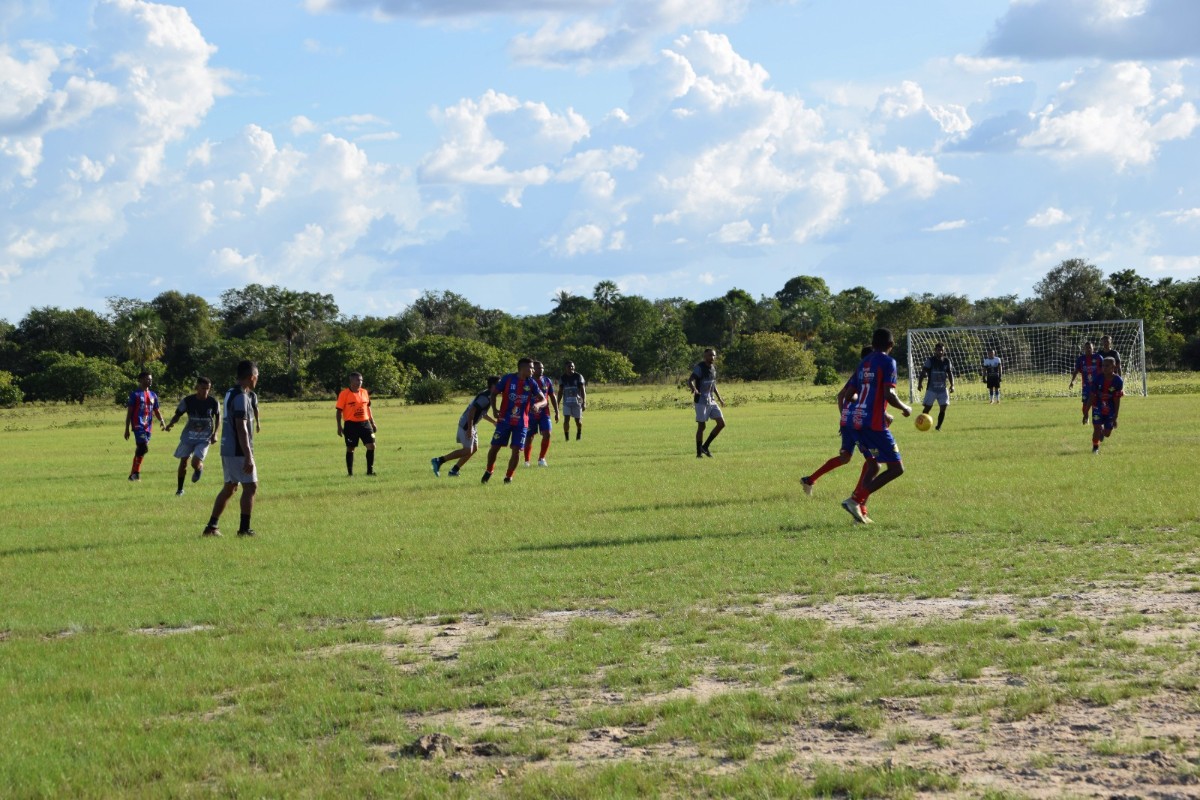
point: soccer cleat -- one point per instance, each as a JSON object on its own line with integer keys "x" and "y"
{"x": 196, "y": 475}
{"x": 134, "y": 476}
{"x": 508, "y": 478}
{"x": 1096, "y": 450}
{"x": 851, "y": 506}
{"x": 453, "y": 473}
{"x": 179, "y": 492}
{"x": 806, "y": 485}
{"x": 211, "y": 530}
{"x": 437, "y": 467}
{"x": 487, "y": 476}
{"x": 542, "y": 462}
{"x": 862, "y": 509}
{"x": 528, "y": 464}
{"x": 372, "y": 473}
{"x": 704, "y": 450}
{"x": 246, "y": 532}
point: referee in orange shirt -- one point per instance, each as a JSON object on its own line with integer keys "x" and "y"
{"x": 355, "y": 422}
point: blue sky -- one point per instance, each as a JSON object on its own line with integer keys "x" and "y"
{"x": 507, "y": 150}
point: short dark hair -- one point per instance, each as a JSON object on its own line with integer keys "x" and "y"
{"x": 204, "y": 380}
{"x": 355, "y": 375}
{"x": 245, "y": 369}
{"x": 524, "y": 361}
{"x": 144, "y": 374}
{"x": 882, "y": 339}
{"x": 492, "y": 380}
{"x": 866, "y": 351}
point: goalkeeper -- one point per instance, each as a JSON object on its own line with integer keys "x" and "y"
{"x": 940, "y": 373}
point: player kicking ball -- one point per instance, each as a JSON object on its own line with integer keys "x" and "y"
{"x": 1106, "y": 403}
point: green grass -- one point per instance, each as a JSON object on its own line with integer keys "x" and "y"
{"x": 288, "y": 682}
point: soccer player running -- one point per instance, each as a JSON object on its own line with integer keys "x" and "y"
{"x": 539, "y": 421}
{"x": 1106, "y": 351}
{"x": 356, "y": 423}
{"x": 703, "y": 383}
{"x": 875, "y": 382}
{"x": 204, "y": 420}
{"x": 1088, "y": 367}
{"x": 468, "y": 431}
{"x": 993, "y": 373}
{"x": 140, "y": 410}
{"x": 572, "y": 398}
{"x": 519, "y": 396}
{"x": 1106, "y": 394}
{"x": 845, "y": 401}
{"x": 940, "y": 373}
{"x": 237, "y": 450}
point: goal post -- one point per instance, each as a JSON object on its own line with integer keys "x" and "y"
{"x": 1037, "y": 359}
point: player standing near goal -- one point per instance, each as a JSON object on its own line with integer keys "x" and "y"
{"x": 940, "y": 372}
{"x": 1106, "y": 351}
{"x": 1106, "y": 396}
{"x": 539, "y": 421}
{"x": 141, "y": 409}
{"x": 356, "y": 423}
{"x": 1088, "y": 367}
{"x": 468, "y": 431}
{"x": 703, "y": 383}
{"x": 237, "y": 450}
{"x": 520, "y": 396}
{"x": 845, "y": 401}
{"x": 875, "y": 381}
{"x": 204, "y": 420}
{"x": 993, "y": 373}
{"x": 572, "y": 398}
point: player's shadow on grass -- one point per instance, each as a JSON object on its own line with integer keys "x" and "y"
{"x": 689, "y": 504}
{"x": 658, "y": 538}
{"x": 37, "y": 550}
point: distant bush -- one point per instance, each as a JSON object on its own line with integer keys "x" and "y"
{"x": 429, "y": 390}
{"x": 598, "y": 365}
{"x": 768, "y": 357}
{"x": 10, "y": 393}
{"x": 466, "y": 363}
{"x": 73, "y": 378}
{"x": 827, "y": 376}
{"x": 382, "y": 376}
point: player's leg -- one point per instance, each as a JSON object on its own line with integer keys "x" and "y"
{"x": 371, "y": 457}
{"x": 183, "y": 462}
{"x": 547, "y": 429}
{"x": 700, "y": 425}
{"x": 351, "y": 446}
{"x": 141, "y": 448}
{"x": 248, "y": 492}
{"x": 714, "y": 413}
{"x": 942, "y": 414}
{"x": 467, "y": 452}
{"x": 227, "y": 491}
{"x": 1097, "y": 435}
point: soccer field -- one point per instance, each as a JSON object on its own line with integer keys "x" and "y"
{"x": 1023, "y": 618}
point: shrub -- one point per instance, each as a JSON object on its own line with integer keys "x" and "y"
{"x": 601, "y": 366}
{"x": 10, "y": 393}
{"x": 827, "y": 376}
{"x": 466, "y": 362}
{"x": 382, "y": 376}
{"x": 74, "y": 378}
{"x": 429, "y": 390}
{"x": 768, "y": 357}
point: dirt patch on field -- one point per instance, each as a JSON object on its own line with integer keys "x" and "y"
{"x": 1145, "y": 747}
{"x": 169, "y": 630}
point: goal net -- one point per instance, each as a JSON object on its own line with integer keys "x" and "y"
{"x": 1037, "y": 359}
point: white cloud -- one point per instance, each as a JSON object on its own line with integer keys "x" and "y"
{"x": 1184, "y": 216}
{"x": 949, "y": 225}
{"x": 1117, "y": 112}
{"x": 1111, "y": 29}
{"x": 1048, "y": 217}
{"x": 1184, "y": 266}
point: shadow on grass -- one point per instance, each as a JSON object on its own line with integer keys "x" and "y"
{"x": 659, "y": 538}
{"x": 37, "y": 550}
{"x": 690, "y": 504}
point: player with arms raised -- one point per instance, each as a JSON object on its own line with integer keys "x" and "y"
{"x": 1106, "y": 403}
{"x": 875, "y": 382}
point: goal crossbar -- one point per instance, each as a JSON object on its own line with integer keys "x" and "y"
{"x": 1037, "y": 359}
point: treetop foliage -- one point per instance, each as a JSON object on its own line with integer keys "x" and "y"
{"x": 305, "y": 346}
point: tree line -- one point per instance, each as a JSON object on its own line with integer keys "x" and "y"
{"x": 443, "y": 343}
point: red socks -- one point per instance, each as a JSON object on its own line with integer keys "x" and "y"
{"x": 828, "y": 466}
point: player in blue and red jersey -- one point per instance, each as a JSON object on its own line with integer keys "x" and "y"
{"x": 875, "y": 381}
{"x": 141, "y": 409}
{"x": 1088, "y": 367}
{"x": 845, "y": 401}
{"x": 539, "y": 421}
{"x": 1106, "y": 402}
{"x": 519, "y": 395}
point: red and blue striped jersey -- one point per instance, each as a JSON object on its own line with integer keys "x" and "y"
{"x": 875, "y": 377}
{"x": 1089, "y": 367}
{"x": 1107, "y": 390}
{"x": 517, "y": 397}
{"x": 143, "y": 402}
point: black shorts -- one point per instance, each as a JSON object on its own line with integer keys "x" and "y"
{"x": 356, "y": 432}
{"x": 993, "y": 382}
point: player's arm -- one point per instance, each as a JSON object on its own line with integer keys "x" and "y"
{"x": 717, "y": 395}
{"x": 540, "y": 401}
{"x": 338, "y": 415}
{"x": 128, "y": 419}
{"x": 216, "y": 418}
{"x": 921, "y": 376}
{"x": 582, "y": 394}
{"x": 894, "y": 401}
{"x": 371, "y": 418}
{"x": 950, "y": 374}
{"x": 161, "y": 421}
{"x": 241, "y": 425}
{"x": 1075, "y": 372}
{"x": 553, "y": 404}
{"x": 179, "y": 412}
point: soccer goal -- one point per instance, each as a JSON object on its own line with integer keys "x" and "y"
{"x": 1037, "y": 359}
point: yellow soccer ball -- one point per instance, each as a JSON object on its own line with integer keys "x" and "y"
{"x": 923, "y": 422}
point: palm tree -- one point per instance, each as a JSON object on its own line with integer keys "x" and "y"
{"x": 142, "y": 332}
{"x": 606, "y": 294}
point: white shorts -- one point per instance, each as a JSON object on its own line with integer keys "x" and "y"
{"x": 192, "y": 448}
{"x": 470, "y": 441}
{"x": 942, "y": 398}
{"x": 707, "y": 411}
{"x": 572, "y": 409}
{"x": 232, "y": 467}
